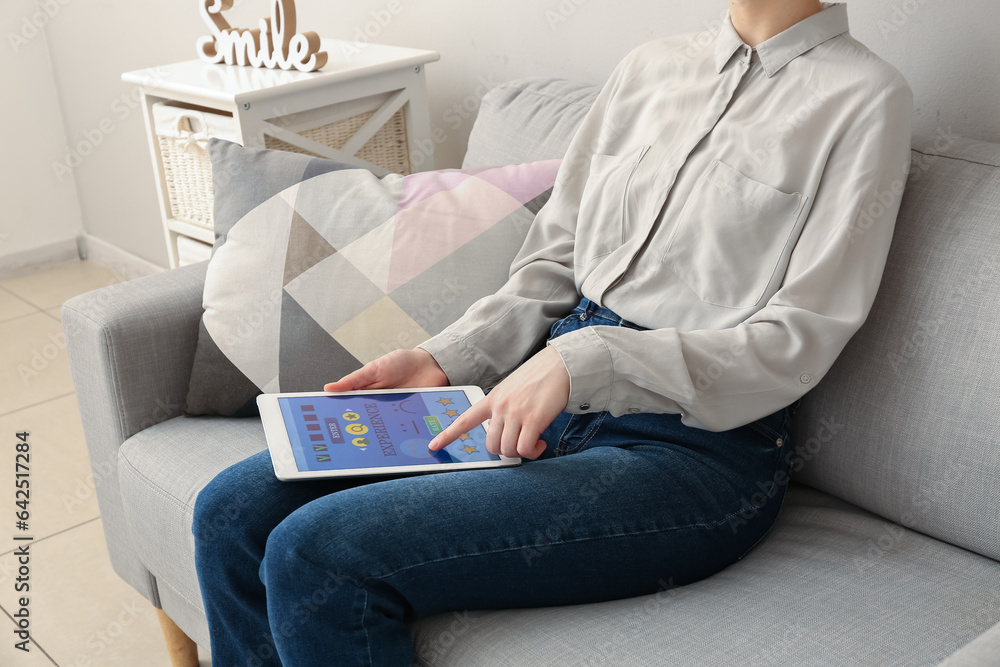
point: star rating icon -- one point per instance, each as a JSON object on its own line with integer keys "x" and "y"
{"x": 464, "y": 436}
{"x": 469, "y": 449}
{"x": 444, "y": 401}
{"x": 451, "y": 413}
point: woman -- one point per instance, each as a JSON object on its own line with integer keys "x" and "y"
{"x": 716, "y": 235}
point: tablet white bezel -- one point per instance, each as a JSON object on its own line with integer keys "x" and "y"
{"x": 283, "y": 459}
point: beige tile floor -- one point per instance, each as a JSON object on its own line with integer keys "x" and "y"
{"x": 82, "y": 613}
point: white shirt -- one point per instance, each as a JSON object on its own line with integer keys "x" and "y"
{"x": 738, "y": 201}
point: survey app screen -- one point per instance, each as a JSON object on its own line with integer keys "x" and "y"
{"x": 364, "y": 431}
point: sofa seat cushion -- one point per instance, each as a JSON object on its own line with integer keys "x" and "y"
{"x": 831, "y": 584}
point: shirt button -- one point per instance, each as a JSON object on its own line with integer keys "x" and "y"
{"x": 633, "y": 410}
{"x": 781, "y": 441}
{"x": 805, "y": 378}
{"x": 585, "y": 406}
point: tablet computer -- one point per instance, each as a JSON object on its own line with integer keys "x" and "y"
{"x": 372, "y": 432}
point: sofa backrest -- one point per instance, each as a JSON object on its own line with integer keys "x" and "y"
{"x": 526, "y": 120}
{"x": 907, "y": 422}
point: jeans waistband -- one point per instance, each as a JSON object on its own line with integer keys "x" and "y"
{"x": 591, "y": 309}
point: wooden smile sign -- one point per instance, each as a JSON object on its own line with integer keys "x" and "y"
{"x": 275, "y": 44}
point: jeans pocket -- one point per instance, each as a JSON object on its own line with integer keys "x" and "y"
{"x": 581, "y": 430}
{"x": 772, "y": 427}
{"x": 556, "y": 328}
{"x": 775, "y": 429}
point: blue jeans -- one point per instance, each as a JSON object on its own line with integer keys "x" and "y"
{"x": 330, "y": 572}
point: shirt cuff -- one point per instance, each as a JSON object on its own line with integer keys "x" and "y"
{"x": 453, "y": 358}
{"x": 590, "y": 366}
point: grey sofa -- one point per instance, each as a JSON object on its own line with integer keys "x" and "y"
{"x": 886, "y": 549}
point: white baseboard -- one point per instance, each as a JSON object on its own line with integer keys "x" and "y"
{"x": 42, "y": 257}
{"x": 119, "y": 261}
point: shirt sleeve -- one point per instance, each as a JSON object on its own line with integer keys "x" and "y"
{"x": 721, "y": 379}
{"x": 500, "y": 331}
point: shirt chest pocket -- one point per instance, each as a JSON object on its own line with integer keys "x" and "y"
{"x": 603, "y": 207}
{"x": 733, "y": 237}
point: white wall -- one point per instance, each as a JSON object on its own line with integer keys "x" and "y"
{"x": 946, "y": 50}
{"x": 39, "y": 216}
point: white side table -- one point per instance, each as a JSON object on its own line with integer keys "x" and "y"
{"x": 366, "y": 98}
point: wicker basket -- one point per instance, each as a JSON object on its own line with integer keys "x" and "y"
{"x": 388, "y": 148}
{"x": 182, "y": 133}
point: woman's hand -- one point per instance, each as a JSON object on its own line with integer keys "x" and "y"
{"x": 399, "y": 368}
{"x": 519, "y": 408}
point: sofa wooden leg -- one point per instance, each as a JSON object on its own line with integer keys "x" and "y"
{"x": 182, "y": 649}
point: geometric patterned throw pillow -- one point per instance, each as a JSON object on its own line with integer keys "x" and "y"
{"x": 244, "y": 177}
{"x": 344, "y": 267}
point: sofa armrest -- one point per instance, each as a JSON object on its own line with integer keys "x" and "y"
{"x": 131, "y": 348}
{"x": 982, "y": 651}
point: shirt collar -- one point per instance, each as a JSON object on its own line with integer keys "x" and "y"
{"x": 787, "y": 45}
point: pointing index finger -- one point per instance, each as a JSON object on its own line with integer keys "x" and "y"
{"x": 468, "y": 420}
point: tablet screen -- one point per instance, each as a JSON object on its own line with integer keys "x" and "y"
{"x": 375, "y": 430}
